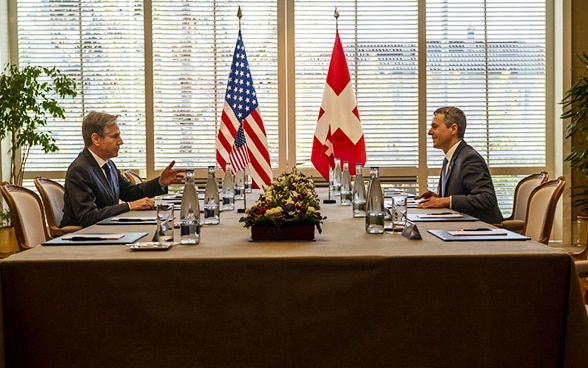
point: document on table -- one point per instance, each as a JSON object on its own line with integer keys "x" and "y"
{"x": 96, "y": 238}
{"x": 441, "y": 215}
{"x": 89, "y": 236}
{"x": 128, "y": 220}
{"x": 477, "y": 234}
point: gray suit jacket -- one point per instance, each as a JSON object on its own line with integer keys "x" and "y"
{"x": 469, "y": 183}
{"x": 89, "y": 197}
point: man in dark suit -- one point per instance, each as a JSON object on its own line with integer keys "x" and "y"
{"x": 93, "y": 184}
{"x": 465, "y": 184}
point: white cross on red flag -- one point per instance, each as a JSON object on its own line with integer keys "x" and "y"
{"x": 338, "y": 130}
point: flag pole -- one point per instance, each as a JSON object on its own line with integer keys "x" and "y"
{"x": 329, "y": 200}
{"x": 242, "y": 210}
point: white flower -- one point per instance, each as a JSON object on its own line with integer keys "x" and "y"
{"x": 273, "y": 211}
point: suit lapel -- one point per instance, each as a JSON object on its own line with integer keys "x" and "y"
{"x": 447, "y": 169}
{"x": 107, "y": 190}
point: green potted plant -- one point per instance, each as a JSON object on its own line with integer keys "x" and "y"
{"x": 8, "y": 243}
{"x": 27, "y": 99}
{"x": 575, "y": 108}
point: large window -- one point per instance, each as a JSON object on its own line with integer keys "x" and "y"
{"x": 163, "y": 66}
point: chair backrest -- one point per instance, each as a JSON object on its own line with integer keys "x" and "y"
{"x": 522, "y": 193}
{"x": 133, "y": 177}
{"x": 541, "y": 209}
{"x": 27, "y": 215}
{"x": 52, "y": 197}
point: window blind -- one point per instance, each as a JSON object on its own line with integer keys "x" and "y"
{"x": 99, "y": 44}
{"x": 193, "y": 45}
{"x": 380, "y": 42}
{"x": 487, "y": 57}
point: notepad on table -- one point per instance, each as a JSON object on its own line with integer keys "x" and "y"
{"x": 440, "y": 215}
{"x": 132, "y": 219}
{"x": 88, "y": 236}
{"x": 477, "y": 232}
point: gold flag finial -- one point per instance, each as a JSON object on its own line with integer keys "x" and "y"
{"x": 239, "y": 15}
{"x": 336, "y": 15}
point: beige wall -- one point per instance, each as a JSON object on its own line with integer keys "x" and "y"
{"x": 579, "y": 26}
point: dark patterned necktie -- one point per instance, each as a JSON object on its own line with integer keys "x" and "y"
{"x": 444, "y": 178}
{"x": 109, "y": 176}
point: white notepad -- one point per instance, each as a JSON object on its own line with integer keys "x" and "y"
{"x": 440, "y": 215}
{"x": 88, "y": 236}
{"x": 477, "y": 232}
{"x": 132, "y": 218}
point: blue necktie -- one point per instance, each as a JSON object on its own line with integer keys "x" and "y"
{"x": 443, "y": 178}
{"x": 109, "y": 176}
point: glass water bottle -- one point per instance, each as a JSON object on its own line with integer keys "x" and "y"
{"x": 240, "y": 185}
{"x": 374, "y": 219}
{"x": 337, "y": 178}
{"x": 248, "y": 181}
{"x": 358, "y": 194}
{"x": 228, "y": 190}
{"x": 211, "y": 199}
{"x": 345, "y": 185}
{"x": 190, "y": 212}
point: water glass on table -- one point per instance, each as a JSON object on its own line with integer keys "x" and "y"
{"x": 399, "y": 207}
{"x": 164, "y": 233}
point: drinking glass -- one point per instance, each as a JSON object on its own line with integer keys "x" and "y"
{"x": 165, "y": 223}
{"x": 399, "y": 209}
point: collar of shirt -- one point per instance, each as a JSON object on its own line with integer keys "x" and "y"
{"x": 99, "y": 160}
{"x": 450, "y": 152}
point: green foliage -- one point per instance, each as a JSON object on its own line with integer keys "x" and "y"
{"x": 5, "y": 218}
{"x": 575, "y": 108}
{"x": 27, "y": 100}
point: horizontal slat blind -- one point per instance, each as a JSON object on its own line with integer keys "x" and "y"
{"x": 100, "y": 45}
{"x": 488, "y": 57}
{"x": 193, "y": 44}
{"x": 380, "y": 42}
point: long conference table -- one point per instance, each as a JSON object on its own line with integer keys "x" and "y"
{"x": 348, "y": 299}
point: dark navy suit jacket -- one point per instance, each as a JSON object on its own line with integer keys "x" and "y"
{"x": 89, "y": 197}
{"x": 469, "y": 183}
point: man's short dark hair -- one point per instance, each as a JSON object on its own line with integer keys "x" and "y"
{"x": 453, "y": 115}
{"x": 96, "y": 122}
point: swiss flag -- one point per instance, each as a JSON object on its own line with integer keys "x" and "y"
{"x": 338, "y": 129}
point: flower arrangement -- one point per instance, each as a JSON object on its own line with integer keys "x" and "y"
{"x": 290, "y": 198}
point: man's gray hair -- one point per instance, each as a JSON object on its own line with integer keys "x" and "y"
{"x": 453, "y": 115}
{"x": 96, "y": 122}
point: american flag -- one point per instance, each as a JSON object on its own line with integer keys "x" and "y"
{"x": 241, "y": 113}
{"x": 239, "y": 156}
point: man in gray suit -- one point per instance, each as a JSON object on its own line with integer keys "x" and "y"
{"x": 93, "y": 184}
{"x": 465, "y": 184}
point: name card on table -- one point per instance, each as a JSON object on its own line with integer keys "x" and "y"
{"x": 411, "y": 231}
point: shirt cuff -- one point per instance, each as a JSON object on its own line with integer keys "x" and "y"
{"x": 451, "y": 202}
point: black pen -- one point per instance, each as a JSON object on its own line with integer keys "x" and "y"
{"x": 441, "y": 213}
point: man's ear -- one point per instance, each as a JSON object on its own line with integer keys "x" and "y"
{"x": 454, "y": 129}
{"x": 96, "y": 139}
